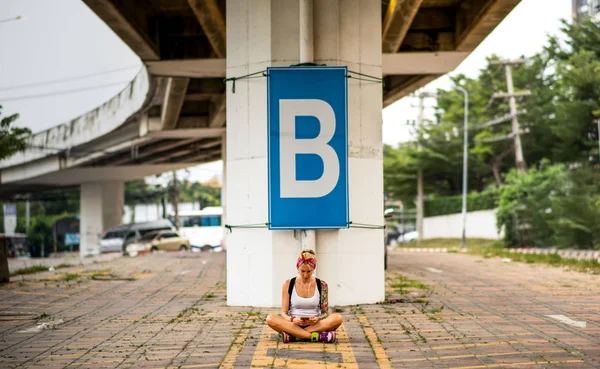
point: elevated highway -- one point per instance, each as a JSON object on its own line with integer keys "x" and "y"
{"x": 172, "y": 115}
{"x": 179, "y": 112}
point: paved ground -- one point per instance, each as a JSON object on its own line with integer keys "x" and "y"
{"x": 168, "y": 310}
{"x": 71, "y": 258}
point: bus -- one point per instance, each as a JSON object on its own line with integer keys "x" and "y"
{"x": 17, "y": 245}
{"x": 203, "y": 228}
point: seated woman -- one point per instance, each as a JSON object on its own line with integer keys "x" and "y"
{"x": 304, "y": 306}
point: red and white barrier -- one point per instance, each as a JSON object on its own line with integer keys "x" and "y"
{"x": 422, "y": 249}
{"x": 567, "y": 254}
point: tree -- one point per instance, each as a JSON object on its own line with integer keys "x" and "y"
{"x": 577, "y": 65}
{"x": 12, "y": 139}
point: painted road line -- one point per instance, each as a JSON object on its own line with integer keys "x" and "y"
{"x": 568, "y": 321}
{"x": 238, "y": 344}
{"x": 433, "y": 270}
{"x": 270, "y": 352}
{"x": 466, "y": 345}
{"x": 516, "y": 353}
{"x": 518, "y": 365}
{"x": 380, "y": 355}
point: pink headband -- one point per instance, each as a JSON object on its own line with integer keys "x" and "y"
{"x": 312, "y": 262}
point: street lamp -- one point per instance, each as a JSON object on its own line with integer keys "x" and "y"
{"x": 20, "y": 17}
{"x": 465, "y": 160}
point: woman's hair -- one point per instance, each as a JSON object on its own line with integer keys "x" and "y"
{"x": 308, "y": 257}
{"x": 308, "y": 253}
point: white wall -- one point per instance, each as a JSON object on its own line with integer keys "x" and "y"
{"x": 150, "y": 212}
{"x": 480, "y": 224}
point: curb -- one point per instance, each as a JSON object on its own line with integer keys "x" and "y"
{"x": 567, "y": 254}
{"x": 423, "y": 249}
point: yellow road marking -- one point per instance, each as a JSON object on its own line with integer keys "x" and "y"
{"x": 191, "y": 366}
{"x": 445, "y": 337}
{"x": 382, "y": 359}
{"x": 238, "y": 344}
{"x": 260, "y": 358}
{"x": 478, "y": 355}
{"x": 478, "y": 344}
{"x": 517, "y": 364}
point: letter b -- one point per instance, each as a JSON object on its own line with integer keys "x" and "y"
{"x": 290, "y": 146}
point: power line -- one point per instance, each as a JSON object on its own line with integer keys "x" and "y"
{"x": 36, "y": 84}
{"x": 64, "y": 92}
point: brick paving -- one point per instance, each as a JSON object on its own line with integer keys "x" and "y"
{"x": 168, "y": 311}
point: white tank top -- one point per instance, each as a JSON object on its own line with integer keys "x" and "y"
{"x": 301, "y": 306}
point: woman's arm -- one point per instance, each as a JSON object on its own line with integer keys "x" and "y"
{"x": 324, "y": 300}
{"x": 285, "y": 299}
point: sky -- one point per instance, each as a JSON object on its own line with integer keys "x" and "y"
{"x": 61, "y": 61}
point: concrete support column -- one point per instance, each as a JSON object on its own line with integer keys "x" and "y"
{"x": 224, "y": 187}
{"x": 267, "y": 33}
{"x": 101, "y": 206}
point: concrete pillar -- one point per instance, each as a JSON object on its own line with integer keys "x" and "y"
{"x": 101, "y": 209}
{"x": 224, "y": 188}
{"x": 266, "y": 33}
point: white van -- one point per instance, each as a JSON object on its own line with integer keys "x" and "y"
{"x": 203, "y": 228}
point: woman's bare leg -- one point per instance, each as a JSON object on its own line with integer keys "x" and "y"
{"x": 331, "y": 323}
{"x": 283, "y": 325}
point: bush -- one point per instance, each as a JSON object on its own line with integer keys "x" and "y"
{"x": 486, "y": 200}
{"x": 551, "y": 207}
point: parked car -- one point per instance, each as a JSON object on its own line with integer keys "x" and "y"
{"x": 408, "y": 237}
{"x": 161, "y": 240}
{"x": 112, "y": 241}
{"x": 117, "y": 238}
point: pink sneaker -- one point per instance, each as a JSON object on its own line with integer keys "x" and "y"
{"x": 287, "y": 338}
{"x": 323, "y": 337}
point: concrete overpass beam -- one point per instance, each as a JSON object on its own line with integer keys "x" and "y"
{"x": 119, "y": 18}
{"x": 217, "y": 115}
{"x": 101, "y": 209}
{"x": 210, "y": 17}
{"x": 475, "y": 19}
{"x": 174, "y": 98}
{"x": 398, "y": 18}
{"x": 267, "y": 33}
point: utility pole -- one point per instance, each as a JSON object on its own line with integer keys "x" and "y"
{"x": 27, "y": 215}
{"x": 421, "y": 117}
{"x": 174, "y": 199}
{"x": 420, "y": 120}
{"x": 516, "y": 132}
{"x": 465, "y": 165}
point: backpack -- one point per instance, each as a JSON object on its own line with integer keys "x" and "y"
{"x": 291, "y": 288}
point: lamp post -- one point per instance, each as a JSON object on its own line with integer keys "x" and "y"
{"x": 6, "y": 20}
{"x": 465, "y": 162}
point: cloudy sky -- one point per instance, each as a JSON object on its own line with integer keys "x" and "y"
{"x": 61, "y": 61}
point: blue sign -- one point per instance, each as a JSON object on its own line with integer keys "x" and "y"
{"x": 10, "y": 210}
{"x": 307, "y": 110}
{"x": 72, "y": 239}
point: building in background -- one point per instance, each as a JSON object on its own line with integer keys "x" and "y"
{"x": 583, "y": 9}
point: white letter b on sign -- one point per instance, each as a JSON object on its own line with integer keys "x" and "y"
{"x": 290, "y": 146}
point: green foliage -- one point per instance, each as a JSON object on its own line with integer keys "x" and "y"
{"x": 576, "y": 222}
{"x": 29, "y": 270}
{"x": 12, "y": 139}
{"x": 551, "y": 207}
{"x": 577, "y": 67}
{"x": 453, "y": 204}
{"x": 197, "y": 192}
{"x": 557, "y": 202}
{"x": 525, "y": 205}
